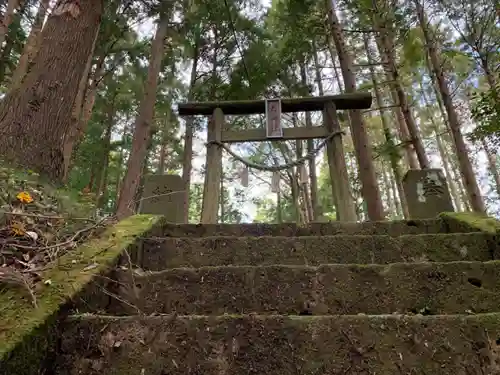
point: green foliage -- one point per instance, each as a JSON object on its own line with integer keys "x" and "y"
{"x": 486, "y": 112}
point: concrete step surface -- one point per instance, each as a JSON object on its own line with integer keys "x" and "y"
{"x": 427, "y": 288}
{"x": 279, "y": 345}
{"x": 160, "y": 253}
{"x": 392, "y": 228}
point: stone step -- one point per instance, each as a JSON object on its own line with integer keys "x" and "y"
{"x": 160, "y": 253}
{"x": 280, "y": 345}
{"x": 391, "y": 228}
{"x": 427, "y": 288}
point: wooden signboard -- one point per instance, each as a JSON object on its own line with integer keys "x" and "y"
{"x": 273, "y": 118}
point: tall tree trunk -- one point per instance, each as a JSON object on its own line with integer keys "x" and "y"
{"x": 492, "y": 166}
{"x": 331, "y": 49}
{"x": 391, "y": 200}
{"x": 222, "y": 195}
{"x": 447, "y": 173}
{"x": 101, "y": 193}
{"x": 31, "y": 47}
{"x": 313, "y": 178}
{"x": 279, "y": 212}
{"x": 469, "y": 179}
{"x": 6, "y": 52}
{"x": 370, "y": 189}
{"x": 442, "y": 151}
{"x": 395, "y": 194}
{"x": 393, "y": 157}
{"x": 142, "y": 132}
{"x": 490, "y": 76}
{"x": 187, "y": 156}
{"x": 164, "y": 142}
{"x": 120, "y": 163}
{"x": 11, "y": 40}
{"x": 32, "y": 131}
{"x": 410, "y": 134}
{"x": 76, "y": 113}
{"x": 12, "y": 5}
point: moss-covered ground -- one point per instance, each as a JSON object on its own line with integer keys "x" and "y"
{"x": 52, "y": 246}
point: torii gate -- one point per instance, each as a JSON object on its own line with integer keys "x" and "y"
{"x": 218, "y": 134}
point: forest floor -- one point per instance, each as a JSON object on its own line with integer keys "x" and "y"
{"x": 39, "y": 223}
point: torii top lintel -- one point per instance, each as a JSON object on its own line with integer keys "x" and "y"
{"x": 357, "y": 100}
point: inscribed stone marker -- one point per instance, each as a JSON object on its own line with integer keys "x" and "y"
{"x": 163, "y": 195}
{"x": 427, "y": 193}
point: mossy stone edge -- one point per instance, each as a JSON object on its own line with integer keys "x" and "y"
{"x": 462, "y": 221}
{"x": 25, "y": 331}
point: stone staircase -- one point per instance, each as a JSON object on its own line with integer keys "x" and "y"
{"x": 408, "y": 297}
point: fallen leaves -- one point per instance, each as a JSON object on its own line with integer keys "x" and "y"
{"x": 38, "y": 225}
{"x": 24, "y": 197}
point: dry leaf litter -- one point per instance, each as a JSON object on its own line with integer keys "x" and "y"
{"x": 38, "y": 224}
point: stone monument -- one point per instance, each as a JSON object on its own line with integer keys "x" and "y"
{"x": 427, "y": 193}
{"x": 163, "y": 195}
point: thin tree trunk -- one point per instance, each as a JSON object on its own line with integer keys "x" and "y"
{"x": 469, "y": 179}
{"x": 490, "y": 77}
{"x": 120, "y": 163}
{"x": 279, "y": 216}
{"x": 106, "y": 148}
{"x": 222, "y": 208}
{"x": 6, "y": 52}
{"x": 6, "y": 20}
{"x": 142, "y": 132}
{"x": 187, "y": 156}
{"x": 391, "y": 201}
{"x": 492, "y": 166}
{"x": 442, "y": 151}
{"x": 370, "y": 189}
{"x": 31, "y": 47}
{"x": 341, "y": 90}
{"x": 393, "y": 158}
{"x": 32, "y": 131}
{"x": 395, "y": 194}
{"x": 313, "y": 179}
{"x": 165, "y": 139}
{"x": 74, "y": 130}
{"x": 410, "y": 135}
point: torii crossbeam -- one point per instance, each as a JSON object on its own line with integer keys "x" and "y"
{"x": 217, "y": 133}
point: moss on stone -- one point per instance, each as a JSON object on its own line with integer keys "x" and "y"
{"x": 277, "y": 344}
{"x": 158, "y": 254}
{"x": 427, "y": 288}
{"x": 471, "y": 221}
{"x": 26, "y": 328}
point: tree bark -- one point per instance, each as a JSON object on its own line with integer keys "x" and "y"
{"x": 187, "y": 156}
{"x": 31, "y": 47}
{"x": 164, "y": 141}
{"x": 395, "y": 194}
{"x": 370, "y": 188}
{"x": 313, "y": 178}
{"x": 76, "y": 114}
{"x": 142, "y": 133}
{"x": 106, "y": 148}
{"x": 447, "y": 173}
{"x": 12, "y": 5}
{"x": 492, "y": 166}
{"x": 393, "y": 158}
{"x": 469, "y": 179}
{"x": 6, "y": 52}
{"x": 32, "y": 130}
{"x": 410, "y": 134}
{"x": 442, "y": 151}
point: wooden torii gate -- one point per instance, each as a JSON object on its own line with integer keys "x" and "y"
{"x": 218, "y": 134}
